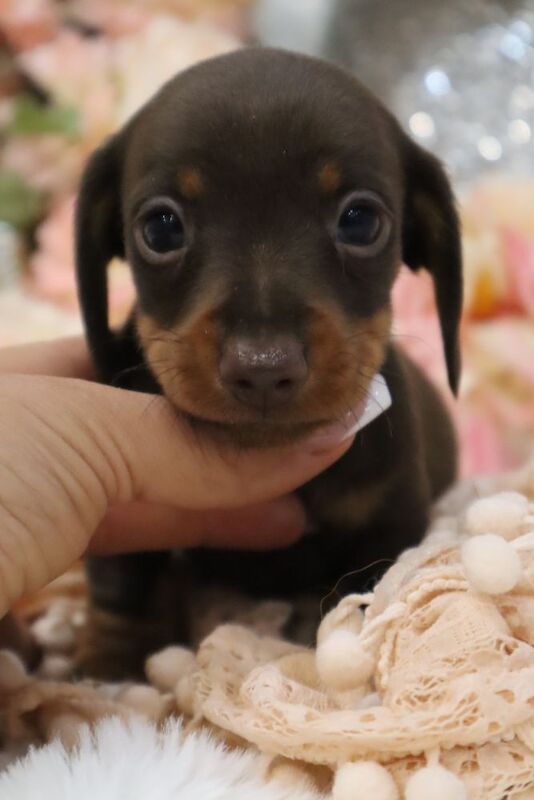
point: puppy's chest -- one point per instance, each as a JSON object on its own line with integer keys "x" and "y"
{"x": 353, "y": 491}
{"x": 348, "y": 508}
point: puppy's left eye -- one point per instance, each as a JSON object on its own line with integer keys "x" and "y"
{"x": 163, "y": 231}
{"x": 363, "y": 224}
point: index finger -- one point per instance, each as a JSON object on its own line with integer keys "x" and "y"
{"x": 64, "y": 358}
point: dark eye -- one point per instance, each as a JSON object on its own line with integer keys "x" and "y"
{"x": 163, "y": 231}
{"x": 359, "y": 224}
{"x": 363, "y": 224}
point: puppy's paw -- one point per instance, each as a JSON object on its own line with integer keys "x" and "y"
{"x": 16, "y": 636}
{"x": 113, "y": 647}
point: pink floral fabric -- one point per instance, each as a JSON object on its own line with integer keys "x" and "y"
{"x": 106, "y": 77}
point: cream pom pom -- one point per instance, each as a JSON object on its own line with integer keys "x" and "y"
{"x": 501, "y": 513}
{"x": 436, "y": 783}
{"x": 362, "y": 780}
{"x": 491, "y": 564}
{"x": 164, "y": 669}
{"x": 342, "y": 661}
{"x": 65, "y": 726}
{"x": 347, "y": 615}
{"x": 13, "y": 675}
{"x": 56, "y": 667}
{"x": 55, "y": 630}
{"x": 185, "y": 696}
{"x": 291, "y": 774}
{"x": 146, "y": 701}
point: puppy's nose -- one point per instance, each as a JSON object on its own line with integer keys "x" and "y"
{"x": 263, "y": 374}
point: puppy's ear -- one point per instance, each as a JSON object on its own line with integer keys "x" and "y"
{"x": 431, "y": 239}
{"x": 98, "y": 237}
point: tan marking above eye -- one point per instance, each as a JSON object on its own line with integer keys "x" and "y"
{"x": 330, "y": 177}
{"x": 190, "y": 182}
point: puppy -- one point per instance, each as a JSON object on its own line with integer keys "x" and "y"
{"x": 264, "y": 202}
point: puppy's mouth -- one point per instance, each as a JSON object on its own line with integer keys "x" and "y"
{"x": 257, "y": 435}
{"x": 226, "y": 419}
{"x": 269, "y": 433}
{"x": 267, "y": 392}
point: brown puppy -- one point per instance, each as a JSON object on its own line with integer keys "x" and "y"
{"x": 265, "y": 202}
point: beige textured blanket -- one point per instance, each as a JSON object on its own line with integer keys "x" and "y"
{"x": 436, "y": 665}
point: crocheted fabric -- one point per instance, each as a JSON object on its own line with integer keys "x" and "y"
{"x": 454, "y": 669}
{"x": 453, "y": 674}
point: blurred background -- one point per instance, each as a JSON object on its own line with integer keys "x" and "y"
{"x": 459, "y": 75}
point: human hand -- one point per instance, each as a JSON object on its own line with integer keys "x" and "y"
{"x": 89, "y": 467}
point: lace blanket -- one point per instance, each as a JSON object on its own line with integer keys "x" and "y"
{"x": 441, "y": 666}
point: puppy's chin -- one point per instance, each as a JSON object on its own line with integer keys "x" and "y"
{"x": 242, "y": 428}
{"x": 250, "y": 435}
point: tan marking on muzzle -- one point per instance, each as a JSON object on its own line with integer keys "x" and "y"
{"x": 344, "y": 357}
{"x": 184, "y": 358}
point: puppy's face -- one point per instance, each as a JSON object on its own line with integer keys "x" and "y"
{"x": 263, "y": 207}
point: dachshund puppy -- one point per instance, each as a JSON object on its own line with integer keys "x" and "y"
{"x": 265, "y": 202}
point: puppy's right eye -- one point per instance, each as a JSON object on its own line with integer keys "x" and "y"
{"x": 159, "y": 230}
{"x": 163, "y": 231}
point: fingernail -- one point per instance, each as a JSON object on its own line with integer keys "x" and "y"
{"x": 377, "y": 401}
{"x": 325, "y": 439}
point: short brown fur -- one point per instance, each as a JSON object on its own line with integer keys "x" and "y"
{"x": 257, "y": 152}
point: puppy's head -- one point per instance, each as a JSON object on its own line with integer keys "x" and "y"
{"x": 265, "y": 202}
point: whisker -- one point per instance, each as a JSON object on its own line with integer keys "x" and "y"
{"x": 169, "y": 340}
{"x": 352, "y": 573}
{"x": 126, "y": 371}
{"x": 155, "y": 398}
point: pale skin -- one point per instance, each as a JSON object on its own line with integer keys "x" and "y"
{"x": 86, "y": 467}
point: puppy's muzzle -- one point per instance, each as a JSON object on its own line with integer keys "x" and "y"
{"x": 263, "y": 373}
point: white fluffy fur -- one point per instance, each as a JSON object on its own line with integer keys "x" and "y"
{"x": 137, "y": 762}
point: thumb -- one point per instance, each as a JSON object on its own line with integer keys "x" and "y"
{"x": 76, "y": 449}
{"x": 169, "y": 462}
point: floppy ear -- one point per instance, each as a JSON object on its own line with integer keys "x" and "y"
{"x": 98, "y": 237}
{"x": 431, "y": 239}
